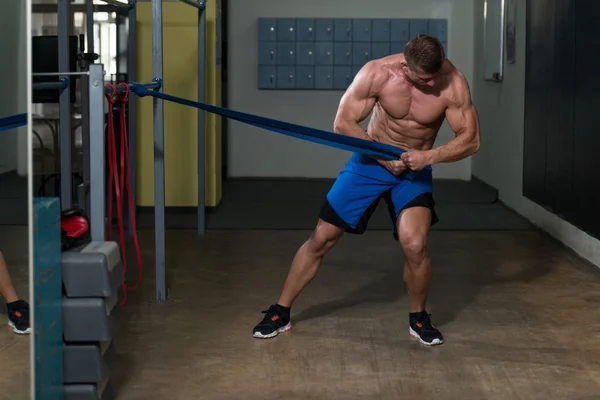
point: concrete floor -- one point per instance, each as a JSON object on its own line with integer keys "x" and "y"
{"x": 15, "y": 364}
{"x": 518, "y": 311}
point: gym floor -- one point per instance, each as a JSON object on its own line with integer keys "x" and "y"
{"x": 14, "y": 349}
{"x": 512, "y": 304}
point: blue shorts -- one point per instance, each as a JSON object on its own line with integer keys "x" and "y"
{"x": 362, "y": 183}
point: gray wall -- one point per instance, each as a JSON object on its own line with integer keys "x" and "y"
{"x": 13, "y": 73}
{"x": 254, "y": 152}
{"x": 500, "y": 159}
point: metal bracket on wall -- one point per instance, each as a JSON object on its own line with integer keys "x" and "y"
{"x": 159, "y": 81}
{"x": 201, "y": 4}
{"x": 118, "y": 3}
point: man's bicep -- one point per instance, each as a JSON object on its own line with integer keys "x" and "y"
{"x": 461, "y": 113}
{"x": 358, "y": 100}
{"x": 462, "y": 118}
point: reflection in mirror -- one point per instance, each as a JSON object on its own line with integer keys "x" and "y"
{"x": 15, "y": 337}
{"x": 493, "y": 20}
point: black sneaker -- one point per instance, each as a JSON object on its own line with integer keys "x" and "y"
{"x": 276, "y": 321}
{"x": 18, "y": 317}
{"x": 422, "y": 328}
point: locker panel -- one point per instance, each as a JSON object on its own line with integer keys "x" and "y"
{"x": 286, "y": 30}
{"x": 286, "y": 77}
{"x": 286, "y": 53}
{"x": 305, "y": 29}
{"x": 305, "y": 77}
{"x": 324, "y": 29}
{"x": 400, "y": 30}
{"x": 267, "y": 77}
{"x": 361, "y": 30}
{"x": 342, "y": 53}
{"x": 361, "y": 53}
{"x": 305, "y": 53}
{"x": 418, "y": 27}
{"x": 267, "y": 29}
{"x": 342, "y": 77}
{"x": 342, "y": 30}
{"x": 323, "y": 77}
{"x": 439, "y": 29}
{"x": 381, "y": 30}
{"x": 324, "y": 53}
{"x": 397, "y": 47}
{"x": 380, "y": 49}
{"x": 267, "y": 53}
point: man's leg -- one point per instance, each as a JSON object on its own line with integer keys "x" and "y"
{"x": 348, "y": 207}
{"x": 413, "y": 229}
{"x": 18, "y": 310}
{"x": 7, "y": 290}
{"x": 307, "y": 261}
{"x": 304, "y": 268}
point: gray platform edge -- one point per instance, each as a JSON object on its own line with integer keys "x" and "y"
{"x": 102, "y": 391}
{"x": 87, "y": 363}
{"x": 92, "y": 271}
{"x": 91, "y": 319}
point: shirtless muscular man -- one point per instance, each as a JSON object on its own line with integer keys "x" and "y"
{"x": 409, "y": 95}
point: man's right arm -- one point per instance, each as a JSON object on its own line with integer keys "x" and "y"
{"x": 356, "y": 105}
{"x": 358, "y": 101}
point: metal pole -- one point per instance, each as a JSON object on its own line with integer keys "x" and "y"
{"x": 132, "y": 112}
{"x": 85, "y": 146}
{"x": 61, "y": 74}
{"x": 89, "y": 25}
{"x": 64, "y": 114}
{"x": 85, "y": 109}
{"x": 159, "y": 154}
{"x": 97, "y": 157}
{"x": 201, "y": 119}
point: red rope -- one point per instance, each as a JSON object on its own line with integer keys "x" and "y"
{"x": 121, "y": 178}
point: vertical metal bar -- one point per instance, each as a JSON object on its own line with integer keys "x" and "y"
{"x": 201, "y": 119}
{"x": 89, "y": 25}
{"x": 83, "y": 198}
{"x": 64, "y": 114}
{"x": 85, "y": 109}
{"x": 97, "y": 157}
{"x": 132, "y": 112}
{"x": 159, "y": 154}
{"x": 117, "y": 39}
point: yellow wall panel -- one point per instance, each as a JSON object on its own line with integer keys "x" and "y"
{"x": 180, "y": 78}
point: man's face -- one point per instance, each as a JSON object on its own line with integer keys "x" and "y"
{"x": 417, "y": 76}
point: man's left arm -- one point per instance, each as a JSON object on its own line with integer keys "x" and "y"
{"x": 464, "y": 121}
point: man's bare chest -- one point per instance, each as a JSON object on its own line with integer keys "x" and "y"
{"x": 423, "y": 108}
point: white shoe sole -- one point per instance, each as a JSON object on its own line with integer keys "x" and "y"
{"x": 15, "y": 330}
{"x": 435, "y": 342}
{"x": 283, "y": 329}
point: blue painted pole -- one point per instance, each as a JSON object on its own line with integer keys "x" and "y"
{"x": 47, "y": 299}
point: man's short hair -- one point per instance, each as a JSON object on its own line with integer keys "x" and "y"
{"x": 426, "y": 52}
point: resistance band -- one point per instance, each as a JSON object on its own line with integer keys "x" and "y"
{"x": 298, "y": 131}
{"x": 12, "y": 121}
{"x": 120, "y": 175}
